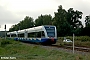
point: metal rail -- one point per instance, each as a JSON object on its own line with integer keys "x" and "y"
{"x": 80, "y": 48}
{"x": 84, "y": 49}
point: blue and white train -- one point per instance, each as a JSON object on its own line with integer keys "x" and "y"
{"x": 46, "y": 34}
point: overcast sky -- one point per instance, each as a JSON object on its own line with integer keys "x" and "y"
{"x": 13, "y": 11}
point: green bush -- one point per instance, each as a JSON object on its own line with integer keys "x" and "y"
{"x": 5, "y": 42}
{"x": 79, "y": 41}
{"x": 62, "y": 44}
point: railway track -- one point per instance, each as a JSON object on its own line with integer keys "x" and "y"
{"x": 83, "y": 49}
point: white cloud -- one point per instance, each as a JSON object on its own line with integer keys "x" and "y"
{"x": 7, "y": 16}
{"x": 2, "y": 28}
{"x": 28, "y": 5}
{"x": 13, "y": 11}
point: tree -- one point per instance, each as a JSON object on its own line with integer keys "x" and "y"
{"x": 26, "y": 23}
{"x": 67, "y": 22}
{"x": 43, "y": 20}
{"x": 73, "y": 19}
{"x": 87, "y": 21}
{"x": 60, "y": 21}
{"x": 87, "y": 26}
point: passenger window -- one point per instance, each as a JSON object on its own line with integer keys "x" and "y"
{"x": 42, "y": 34}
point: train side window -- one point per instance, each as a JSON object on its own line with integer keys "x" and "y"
{"x": 42, "y": 34}
{"x": 31, "y": 34}
{"x": 37, "y": 34}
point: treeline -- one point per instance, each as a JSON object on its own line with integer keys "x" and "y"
{"x": 67, "y": 22}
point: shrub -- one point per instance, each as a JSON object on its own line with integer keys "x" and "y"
{"x": 79, "y": 41}
{"x": 5, "y": 42}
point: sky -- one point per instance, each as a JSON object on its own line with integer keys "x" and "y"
{"x": 14, "y": 11}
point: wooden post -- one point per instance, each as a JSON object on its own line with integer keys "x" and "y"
{"x": 73, "y": 43}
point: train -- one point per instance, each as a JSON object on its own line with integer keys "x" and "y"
{"x": 45, "y": 34}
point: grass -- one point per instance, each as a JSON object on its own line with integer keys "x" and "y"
{"x": 83, "y": 41}
{"x": 10, "y": 48}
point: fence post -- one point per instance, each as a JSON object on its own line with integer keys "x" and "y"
{"x": 73, "y": 43}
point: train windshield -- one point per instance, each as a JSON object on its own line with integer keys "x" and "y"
{"x": 50, "y": 31}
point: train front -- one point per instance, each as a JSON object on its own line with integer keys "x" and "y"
{"x": 51, "y": 34}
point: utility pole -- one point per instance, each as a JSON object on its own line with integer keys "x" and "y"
{"x": 73, "y": 43}
{"x": 5, "y": 31}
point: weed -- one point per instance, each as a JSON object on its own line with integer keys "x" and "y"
{"x": 79, "y": 41}
{"x": 34, "y": 52}
{"x": 5, "y": 42}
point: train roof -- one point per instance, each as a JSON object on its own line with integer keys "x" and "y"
{"x": 29, "y": 30}
{"x": 14, "y": 32}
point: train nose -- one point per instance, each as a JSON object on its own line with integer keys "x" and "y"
{"x": 52, "y": 39}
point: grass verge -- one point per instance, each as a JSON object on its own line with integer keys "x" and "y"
{"x": 80, "y": 41}
{"x": 35, "y": 52}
